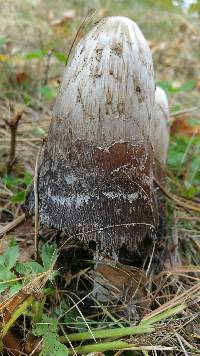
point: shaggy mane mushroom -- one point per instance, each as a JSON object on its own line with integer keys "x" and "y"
{"x": 95, "y": 177}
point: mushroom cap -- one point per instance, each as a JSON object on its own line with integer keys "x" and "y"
{"x": 107, "y": 92}
{"x": 161, "y": 102}
{"x": 160, "y": 127}
{"x": 95, "y": 178}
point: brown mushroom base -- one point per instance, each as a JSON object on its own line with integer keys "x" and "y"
{"x": 105, "y": 199}
{"x": 100, "y": 194}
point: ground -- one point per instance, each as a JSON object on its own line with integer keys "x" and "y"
{"x": 45, "y": 308}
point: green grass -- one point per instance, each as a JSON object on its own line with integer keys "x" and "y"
{"x": 58, "y": 308}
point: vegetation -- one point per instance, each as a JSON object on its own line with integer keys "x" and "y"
{"x": 47, "y": 308}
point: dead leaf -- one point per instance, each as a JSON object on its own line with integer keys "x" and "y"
{"x": 8, "y": 306}
{"x": 182, "y": 127}
{"x": 21, "y": 77}
{"x": 67, "y": 15}
{"x": 128, "y": 283}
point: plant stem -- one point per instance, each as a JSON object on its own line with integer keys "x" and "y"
{"x": 163, "y": 315}
{"x": 106, "y": 346}
{"x": 144, "y": 327}
{"x": 13, "y": 124}
{"x": 16, "y": 314}
{"x": 107, "y": 333}
{"x": 116, "y": 345}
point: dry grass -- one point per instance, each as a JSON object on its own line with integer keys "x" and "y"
{"x": 174, "y": 37}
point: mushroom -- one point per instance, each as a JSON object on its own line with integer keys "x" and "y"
{"x": 160, "y": 124}
{"x": 95, "y": 177}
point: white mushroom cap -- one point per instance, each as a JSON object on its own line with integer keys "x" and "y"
{"x": 107, "y": 92}
{"x": 159, "y": 127}
{"x": 162, "y": 101}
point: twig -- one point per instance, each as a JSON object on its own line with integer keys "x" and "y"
{"x": 78, "y": 32}
{"x": 179, "y": 201}
{"x": 4, "y": 230}
{"x": 82, "y": 316}
{"x": 151, "y": 259}
{"x": 46, "y": 75}
{"x": 175, "y": 258}
{"x": 183, "y": 112}
{"x": 13, "y": 125}
{"x": 36, "y": 347}
{"x": 63, "y": 330}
